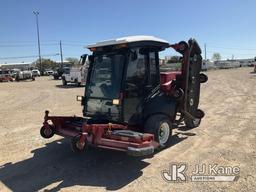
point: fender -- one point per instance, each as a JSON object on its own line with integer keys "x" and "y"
{"x": 160, "y": 103}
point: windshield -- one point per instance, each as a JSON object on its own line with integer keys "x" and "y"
{"x": 104, "y": 86}
{"x": 106, "y": 76}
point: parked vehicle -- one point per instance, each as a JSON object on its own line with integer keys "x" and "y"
{"x": 5, "y": 75}
{"x": 36, "y": 73}
{"x": 59, "y": 72}
{"x": 204, "y": 66}
{"x": 134, "y": 107}
{"x": 49, "y": 72}
{"x": 24, "y": 75}
{"x": 227, "y": 64}
{"x": 14, "y": 72}
{"x": 76, "y": 75}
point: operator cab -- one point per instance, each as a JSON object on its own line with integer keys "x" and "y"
{"x": 122, "y": 73}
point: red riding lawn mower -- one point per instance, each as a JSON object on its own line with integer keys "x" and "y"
{"x": 128, "y": 104}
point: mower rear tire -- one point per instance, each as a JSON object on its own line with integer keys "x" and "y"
{"x": 161, "y": 127}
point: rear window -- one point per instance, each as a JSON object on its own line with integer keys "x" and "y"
{"x": 173, "y": 63}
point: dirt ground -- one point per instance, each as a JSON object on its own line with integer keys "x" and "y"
{"x": 226, "y": 136}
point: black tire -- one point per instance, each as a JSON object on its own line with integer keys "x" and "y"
{"x": 46, "y": 133}
{"x": 153, "y": 126}
{"x": 190, "y": 123}
{"x": 33, "y": 78}
{"x": 64, "y": 82}
{"x": 76, "y": 146}
{"x": 78, "y": 84}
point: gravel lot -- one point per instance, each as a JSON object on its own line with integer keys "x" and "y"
{"x": 227, "y": 137}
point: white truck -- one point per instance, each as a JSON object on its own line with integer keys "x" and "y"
{"x": 24, "y": 75}
{"x": 76, "y": 75}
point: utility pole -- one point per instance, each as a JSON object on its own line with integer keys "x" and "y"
{"x": 205, "y": 51}
{"x": 61, "y": 56}
{"x": 36, "y": 13}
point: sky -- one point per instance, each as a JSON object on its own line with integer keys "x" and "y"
{"x": 225, "y": 26}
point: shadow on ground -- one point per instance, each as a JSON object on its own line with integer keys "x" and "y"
{"x": 69, "y": 86}
{"x": 57, "y": 163}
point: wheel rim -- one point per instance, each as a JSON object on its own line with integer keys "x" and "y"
{"x": 47, "y": 132}
{"x": 80, "y": 145}
{"x": 196, "y": 121}
{"x": 164, "y": 133}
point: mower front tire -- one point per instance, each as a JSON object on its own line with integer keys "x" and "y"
{"x": 161, "y": 127}
{"x": 46, "y": 132}
{"x": 76, "y": 144}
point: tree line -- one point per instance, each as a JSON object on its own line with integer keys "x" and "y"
{"x": 50, "y": 64}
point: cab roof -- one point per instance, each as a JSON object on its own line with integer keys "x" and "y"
{"x": 131, "y": 40}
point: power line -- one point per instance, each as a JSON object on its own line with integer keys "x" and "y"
{"x": 28, "y": 45}
{"x": 74, "y": 44}
{"x": 43, "y": 44}
{"x": 30, "y": 56}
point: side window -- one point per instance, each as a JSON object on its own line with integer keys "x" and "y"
{"x": 153, "y": 69}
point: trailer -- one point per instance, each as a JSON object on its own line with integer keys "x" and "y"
{"x": 133, "y": 107}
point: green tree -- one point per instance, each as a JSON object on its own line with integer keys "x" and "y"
{"x": 46, "y": 64}
{"x": 174, "y": 59}
{"x": 216, "y": 57}
{"x": 72, "y": 60}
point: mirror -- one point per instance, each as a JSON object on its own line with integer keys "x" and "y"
{"x": 83, "y": 59}
{"x": 134, "y": 55}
